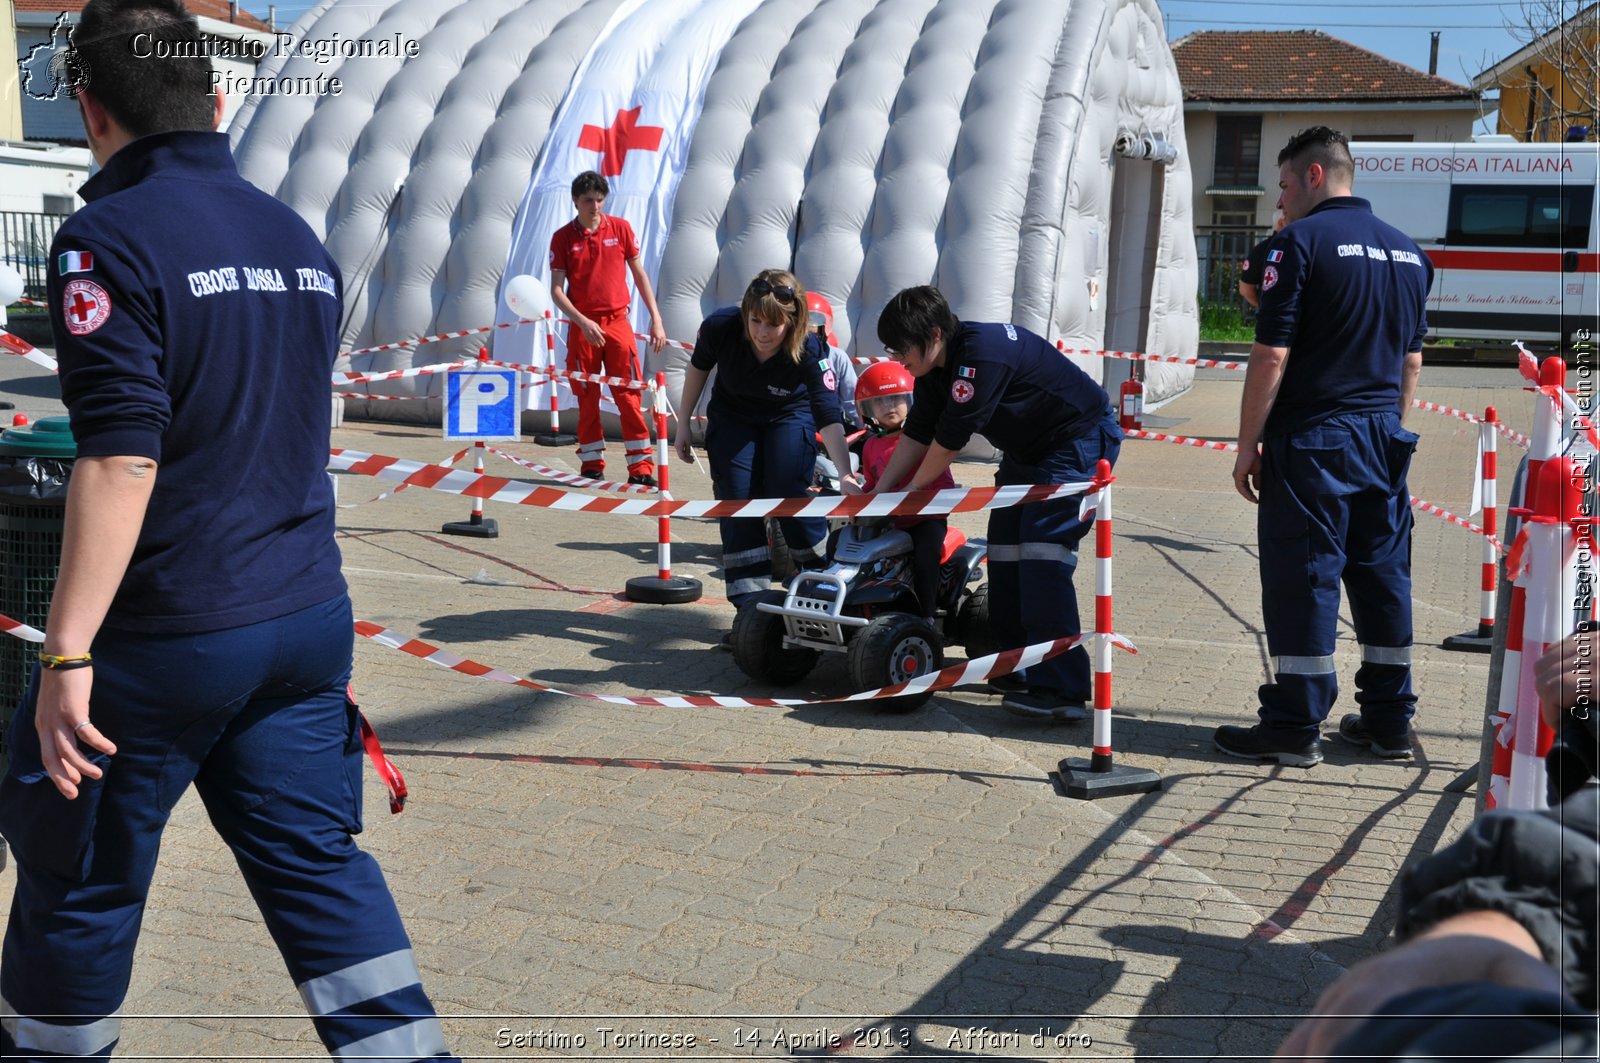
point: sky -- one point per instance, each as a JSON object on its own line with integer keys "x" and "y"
{"x": 1473, "y": 33}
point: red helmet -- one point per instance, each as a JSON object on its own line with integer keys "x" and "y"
{"x": 881, "y": 380}
{"x": 819, "y": 314}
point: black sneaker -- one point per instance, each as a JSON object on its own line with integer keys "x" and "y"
{"x": 1258, "y": 743}
{"x": 1010, "y": 683}
{"x": 643, "y": 479}
{"x": 726, "y": 645}
{"x": 1044, "y": 705}
{"x": 1353, "y": 729}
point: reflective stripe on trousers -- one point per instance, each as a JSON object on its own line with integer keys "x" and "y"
{"x": 352, "y": 991}
{"x": 27, "y": 1034}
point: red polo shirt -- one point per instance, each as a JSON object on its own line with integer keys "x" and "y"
{"x": 595, "y": 263}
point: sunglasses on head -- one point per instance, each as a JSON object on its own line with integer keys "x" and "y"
{"x": 784, "y": 293}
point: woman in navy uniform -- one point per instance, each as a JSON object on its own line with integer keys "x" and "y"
{"x": 774, "y": 390}
{"x": 1054, "y": 425}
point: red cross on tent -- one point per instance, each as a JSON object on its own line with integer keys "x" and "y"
{"x": 625, "y": 134}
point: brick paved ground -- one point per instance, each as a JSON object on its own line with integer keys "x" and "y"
{"x": 567, "y": 867}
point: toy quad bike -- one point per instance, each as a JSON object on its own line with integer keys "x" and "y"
{"x": 864, "y": 607}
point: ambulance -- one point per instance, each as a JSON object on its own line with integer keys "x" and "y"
{"x": 1512, "y": 230}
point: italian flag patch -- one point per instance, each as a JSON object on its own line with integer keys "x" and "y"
{"x": 75, "y": 262}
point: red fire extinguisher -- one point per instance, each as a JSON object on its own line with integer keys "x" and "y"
{"x": 1132, "y": 403}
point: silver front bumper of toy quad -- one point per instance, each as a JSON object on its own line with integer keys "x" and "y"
{"x": 813, "y": 610}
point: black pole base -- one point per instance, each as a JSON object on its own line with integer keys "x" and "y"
{"x": 556, "y": 439}
{"x": 1463, "y": 782}
{"x": 1079, "y": 780}
{"x": 653, "y": 590}
{"x": 1470, "y": 642}
{"x": 477, "y": 527}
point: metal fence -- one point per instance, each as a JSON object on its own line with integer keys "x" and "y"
{"x": 25, "y": 239}
{"x": 1221, "y": 250}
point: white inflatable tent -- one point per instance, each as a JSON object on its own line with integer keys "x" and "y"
{"x": 1027, "y": 156}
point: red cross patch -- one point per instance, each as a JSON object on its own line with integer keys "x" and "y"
{"x": 962, "y": 391}
{"x": 830, "y": 381}
{"x": 1269, "y": 277}
{"x": 85, "y": 305}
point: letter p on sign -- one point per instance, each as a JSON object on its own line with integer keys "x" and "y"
{"x": 482, "y": 404}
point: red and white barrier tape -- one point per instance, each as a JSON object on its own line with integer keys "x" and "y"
{"x": 20, "y": 630}
{"x": 403, "y": 344}
{"x": 397, "y": 374}
{"x": 574, "y": 479}
{"x": 1170, "y": 359}
{"x": 1448, "y": 411}
{"x": 515, "y": 492}
{"x": 451, "y": 460}
{"x": 1516, "y": 437}
{"x": 1183, "y": 441}
{"x": 1460, "y": 522}
{"x": 976, "y": 671}
{"x": 19, "y": 346}
{"x": 570, "y": 374}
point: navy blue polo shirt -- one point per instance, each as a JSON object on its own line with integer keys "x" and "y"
{"x": 196, "y": 320}
{"x": 759, "y": 390}
{"x": 1009, "y": 385}
{"x": 1346, "y": 293}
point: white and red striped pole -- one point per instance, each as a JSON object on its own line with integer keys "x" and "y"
{"x": 1482, "y": 640}
{"x": 550, "y": 360}
{"x": 1099, "y": 776}
{"x": 663, "y": 481}
{"x": 1101, "y": 758}
{"x": 663, "y": 588}
{"x": 1517, "y": 774}
{"x": 1491, "y": 522}
{"x": 555, "y": 437}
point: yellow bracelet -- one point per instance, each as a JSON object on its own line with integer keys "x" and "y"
{"x": 52, "y": 661}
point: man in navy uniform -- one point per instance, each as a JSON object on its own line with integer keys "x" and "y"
{"x": 1337, "y": 354}
{"x": 1054, "y": 424}
{"x": 200, "y": 631}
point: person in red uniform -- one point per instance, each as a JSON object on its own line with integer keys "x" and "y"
{"x": 590, "y": 286}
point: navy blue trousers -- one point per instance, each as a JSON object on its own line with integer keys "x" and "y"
{"x": 1033, "y": 553}
{"x": 258, "y": 719}
{"x": 1334, "y": 507}
{"x": 762, "y": 459}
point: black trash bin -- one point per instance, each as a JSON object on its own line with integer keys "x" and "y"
{"x": 35, "y": 461}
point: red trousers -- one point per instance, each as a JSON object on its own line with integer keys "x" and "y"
{"x": 619, "y": 358}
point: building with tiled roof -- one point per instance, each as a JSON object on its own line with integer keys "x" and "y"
{"x": 37, "y": 32}
{"x": 1246, "y": 92}
{"x": 1550, "y": 87}
{"x": 1303, "y": 66}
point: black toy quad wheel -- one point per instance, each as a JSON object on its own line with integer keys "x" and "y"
{"x": 972, "y": 628}
{"x": 783, "y": 565}
{"x": 758, "y": 647}
{"x": 892, "y": 649}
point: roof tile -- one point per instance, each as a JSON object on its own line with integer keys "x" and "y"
{"x": 1296, "y": 65}
{"x": 217, "y": 9}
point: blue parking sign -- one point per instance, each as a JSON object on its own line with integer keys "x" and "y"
{"x": 482, "y": 404}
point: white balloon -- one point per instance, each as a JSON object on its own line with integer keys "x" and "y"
{"x": 527, "y": 296}
{"x": 10, "y": 285}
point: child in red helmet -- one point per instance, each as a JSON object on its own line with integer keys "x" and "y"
{"x": 883, "y": 399}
